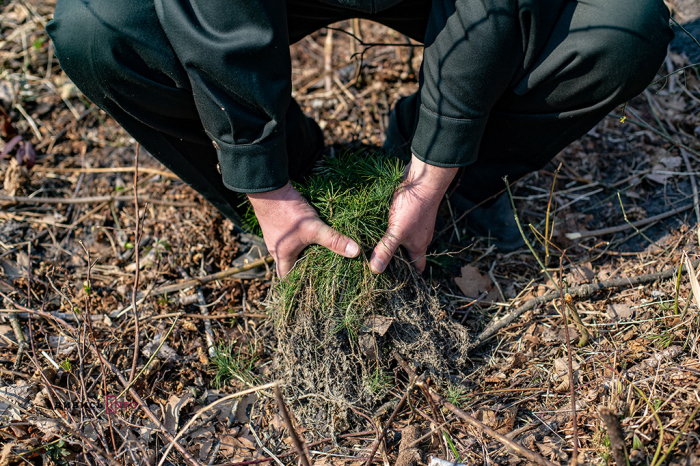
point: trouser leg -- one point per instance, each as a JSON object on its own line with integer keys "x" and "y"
{"x": 597, "y": 55}
{"x": 118, "y": 56}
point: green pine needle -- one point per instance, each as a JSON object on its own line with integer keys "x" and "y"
{"x": 352, "y": 193}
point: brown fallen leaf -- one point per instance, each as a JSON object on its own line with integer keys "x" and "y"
{"x": 7, "y": 336}
{"x": 173, "y": 408}
{"x": 472, "y": 284}
{"x": 244, "y": 408}
{"x": 620, "y": 312}
{"x": 377, "y": 324}
{"x": 519, "y": 360}
{"x": 506, "y": 423}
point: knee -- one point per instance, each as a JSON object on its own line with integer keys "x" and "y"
{"x": 112, "y": 47}
{"x": 82, "y": 42}
{"x": 629, "y": 50}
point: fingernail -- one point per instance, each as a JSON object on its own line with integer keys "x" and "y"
{"x": 352, "y": 249}
{"x": 377, "y": 265}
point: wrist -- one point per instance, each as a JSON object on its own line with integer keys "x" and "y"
{"x": 432, "y": 177}
{"x": 280, "y": 194}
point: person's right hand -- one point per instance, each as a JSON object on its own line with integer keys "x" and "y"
{"x": 290, "y": 224}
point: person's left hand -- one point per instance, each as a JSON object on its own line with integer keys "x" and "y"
{"x": 412, "y": 214}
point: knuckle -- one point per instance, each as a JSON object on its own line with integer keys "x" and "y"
{"x": 335, "y": 240}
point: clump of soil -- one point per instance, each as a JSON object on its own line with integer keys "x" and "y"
{"x": 340, "y": 327}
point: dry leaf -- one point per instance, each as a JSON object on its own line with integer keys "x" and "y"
{"x": 11, "y": 269}
{"x": 172, "y": 410}
{"x": 229, "y": 445}
{"x": 14, "y": 399}
{"x": 377, "y": 324}
{"x": 553, "y": 334}
{"x": 473, "y": 284}
{"x": 620, "y": 312}
{"x": 7, "y": 336}
{"x": 690, "y": 270}
{"x": 561, "y": 366}
{"x": 205, "y": 450}
{"x": 166, "y": 352}
{"x": 580, "y": 274}
{"x": 507, "y": 423}
{"x": 440, "y": 462}
{"x": 487, "y": 416}
{"x": 246, "y": 442}
{"x": 245, "y": 406}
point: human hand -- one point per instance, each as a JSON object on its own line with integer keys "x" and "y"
{"x": 412, "y": 214}
{"x": 290, "y": 224}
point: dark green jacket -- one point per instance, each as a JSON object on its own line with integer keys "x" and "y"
{"x": 240, "y": 71}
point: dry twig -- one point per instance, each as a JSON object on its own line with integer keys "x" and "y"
{"x": 615, "y": 434}
{"x": 210, "y": 278}
{"x": 582, "y": 291}
{"x": 89, "y": 200}
{"x": 299, "y": 445}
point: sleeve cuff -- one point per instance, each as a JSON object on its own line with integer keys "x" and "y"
{"x": 445, "y": 141}
{"x": 253, "y": 168}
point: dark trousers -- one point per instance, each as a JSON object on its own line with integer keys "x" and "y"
{"x": 590, "y": 56}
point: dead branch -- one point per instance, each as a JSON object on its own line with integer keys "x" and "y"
{"x": 572, "y": 388}
{"x": 582, "y": 291}
{"x": 296, "y": 441}
{"x": 208, "y": 331}
{"x": 409, "y": 455}
{"x": 89, "y": 200}
{"x": 615, "y": 434}
{"x": 513, "y": 445}
{"x": 210, "y": 278}
{"x": 627, "y": 226}
{"x": 21, "y": 341}
{"x": 152, "y": 171}
{"x": 137, "y": 217}
{"x": 390, "y": 421}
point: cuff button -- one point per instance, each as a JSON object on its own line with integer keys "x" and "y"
{"x": 216, "y": 146}
{"x": 218, "y": 168}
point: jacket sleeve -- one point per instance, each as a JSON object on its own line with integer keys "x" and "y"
{"x": 472, "y": 50}
{"x": 236, "y": 54}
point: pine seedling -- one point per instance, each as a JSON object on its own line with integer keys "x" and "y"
{"x": 352, "y": 193}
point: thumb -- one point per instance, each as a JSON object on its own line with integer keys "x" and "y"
{"x": 383, "y": 252}
{"x": 339, "y": 244}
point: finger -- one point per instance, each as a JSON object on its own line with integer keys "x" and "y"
{"x": 285, "y": 258}
{"x": 331, "y": 239}
{"x": 416, "y": 256}
{"x": 383, "y": 252}
{"x": 418, "y": 262}
{"x": 284, "y": 265}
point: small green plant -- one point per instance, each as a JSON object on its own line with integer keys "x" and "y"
{"x": 164, "y": 299}
{"x": 663, "y": 340}
{"x": 352, "y": 193}
{"x": 457, "y": 394}
{"x": 637, "y": 443}
{"x": 604, "y": 441}
{"x": 230, "y": 363}
{"x": 451, "y": 444}
{"x": 66, "y": 365}
{"x": 379, "y": 381}
{"x": 160, "y": 247}
{"x": 57, "y": 452}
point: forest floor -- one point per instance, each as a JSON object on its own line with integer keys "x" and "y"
{"x": 619, "y": 208}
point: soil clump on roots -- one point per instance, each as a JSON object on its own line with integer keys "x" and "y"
{"x": 339, "y": 326}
